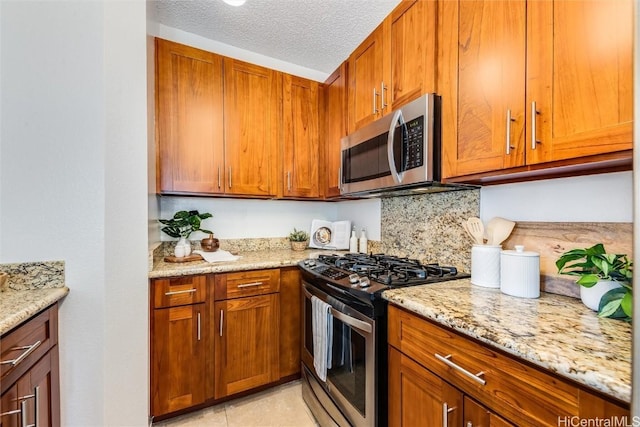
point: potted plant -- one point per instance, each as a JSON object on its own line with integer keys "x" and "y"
{"x": 605, "y": 279}
{"x": 181, "y": 226}
{"x": 299, "y": 239}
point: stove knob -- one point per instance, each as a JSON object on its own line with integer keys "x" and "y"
{"x": 354, "y": 278}
{"x": 311, "y": 262}
{"x": 364, "y": 282}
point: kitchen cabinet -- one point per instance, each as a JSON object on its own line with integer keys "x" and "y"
{"x": 190, "y": 134}
{"x": 492, "y": 385}
{"x": 395, "y": 64}
{"x": 335, "y": 128}
{"x": 247, "y": 320}
{"x": 290, "y": 321}
{"x": 181, "y": 373}
{"x": 300, "y": 151}
{"x": 532, "y": 89}
{"x": 251, "y": 120}
{"x": 31, "y": 384}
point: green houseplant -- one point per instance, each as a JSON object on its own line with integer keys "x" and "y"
{"x": 298, "y": 239}
{"x": 181, "y": 226}
{"x": 596, "y": 268}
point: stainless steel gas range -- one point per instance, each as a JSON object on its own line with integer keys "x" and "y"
{"x": 354, "y": 392}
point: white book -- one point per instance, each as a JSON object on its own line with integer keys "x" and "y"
{"x": 329, "y": 234}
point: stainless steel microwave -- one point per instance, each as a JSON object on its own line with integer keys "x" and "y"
{"x": 400, "y": 151}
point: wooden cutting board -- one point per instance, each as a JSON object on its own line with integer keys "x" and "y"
{"x": 192, "y": 257}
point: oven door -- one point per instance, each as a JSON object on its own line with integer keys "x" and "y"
{"x": 351, "y": 381}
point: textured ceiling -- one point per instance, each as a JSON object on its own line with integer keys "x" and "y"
{"x": 316, "y": 34}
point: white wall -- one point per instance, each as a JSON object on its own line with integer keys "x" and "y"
{"x": 594, "y": 198}
{"x": 73, "y": 185}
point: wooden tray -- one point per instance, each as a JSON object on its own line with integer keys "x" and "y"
{"x": 192, "y": 257}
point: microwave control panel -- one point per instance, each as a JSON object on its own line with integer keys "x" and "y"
{"x": 413, "y": 143}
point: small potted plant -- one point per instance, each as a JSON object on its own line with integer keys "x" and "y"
{"x": 605, "y": 279}
{"x": 181, "y": 226}
{"x": 299, "y": 239}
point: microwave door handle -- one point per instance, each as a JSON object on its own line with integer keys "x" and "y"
{"x": 397, "y": 117}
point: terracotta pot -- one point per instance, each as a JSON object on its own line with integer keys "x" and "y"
{"x": 299, "y": 246}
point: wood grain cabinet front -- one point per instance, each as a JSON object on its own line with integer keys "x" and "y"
{"x": 489, "y": 381}
{"x": 30, "y": 374}
{"x": 532, "y": 88}
{"x": 334, "y": 90}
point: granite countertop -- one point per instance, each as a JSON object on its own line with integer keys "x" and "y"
{"x": 250, "y": 260}
{"x": 19, "y": 306}
{"x": 555, "y": 332}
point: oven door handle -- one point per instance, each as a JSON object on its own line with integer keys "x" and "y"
{"x": 356, "y": 323}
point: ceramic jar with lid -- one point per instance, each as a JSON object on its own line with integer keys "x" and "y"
{"x": 520, "y": 273}
{"x": 485, "y": 265}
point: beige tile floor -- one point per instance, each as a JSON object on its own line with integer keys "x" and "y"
{"x": 280, "y": 406}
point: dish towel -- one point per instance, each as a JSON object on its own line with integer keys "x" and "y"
{"x": 322, "y": 327}
{"x": 217, "y": 256}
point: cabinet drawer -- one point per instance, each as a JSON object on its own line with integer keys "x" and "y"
{"x": 526, "y": 395}
{"x": 247, "y": 283}
{"x": 178, "y": 291}
{"x": 23, "y": 346}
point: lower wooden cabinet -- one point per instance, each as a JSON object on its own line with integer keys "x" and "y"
{"x": 217, "y": 335}
{"x": 34, "y": 397}
{"x": 494, "y": 390}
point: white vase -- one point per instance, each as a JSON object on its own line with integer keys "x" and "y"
{"x": 591, "y": 296}
{"x": 183, "y": 248}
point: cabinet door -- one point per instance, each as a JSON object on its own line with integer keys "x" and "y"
{"x": 290, "y": 321}
{"x": 476, "y": 415}
{"x": 579, "y": 68}
{"x": 178, "y": 351}
{"x": 483, "y": 96}
{"x": 189, "y": 119}
{"x": 251, "y": 118}
{"x": 9, "y": 408}
{"x": 246, "y": 347}
{"x": 301, "y": 135}
{"x": 420, "y": 398}
{"x": 335, "y": 127}
{"x": 412, "y": 32}
{"x": 367, "y": 65}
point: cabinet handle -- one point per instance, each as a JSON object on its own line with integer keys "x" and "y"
{"x": 534, "y": 114}
{"x": 288, "y": 180}
{"x": 219, "y": 177}
{"x": 28, "y": 350}
{"x": 36, "y": 412}
{"x": 187, "y": 291}
{"x": 14, "y": 412}
{"x": 248, "y": 285}
{"x": 229, "y": 176}
{"x": 445, "y": 414}
{"x": 469, "y": 424}
{"x": 375, "y": 104}
{"x": 509, "y": 120}
{"x": 221, "y": 320}
{"x": 383, "y": 88}
{"x": 475, "y": 377}
{"x": 198, "y": 318}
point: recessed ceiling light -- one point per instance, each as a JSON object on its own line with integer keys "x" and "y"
{"x": 234, "y": 2}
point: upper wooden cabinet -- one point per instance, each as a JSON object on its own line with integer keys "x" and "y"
{"x": 395, "y": 64}
{"x": 335, "y": 127}
{"x": 189, "y": 95}
{"x": 300, "y": 121}
{"x": 529, "y": 86}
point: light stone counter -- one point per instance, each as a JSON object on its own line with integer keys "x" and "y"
{"x": 33, "y": 286}
{"x": 555, "y": 332}
{"x": 251, "y": 260}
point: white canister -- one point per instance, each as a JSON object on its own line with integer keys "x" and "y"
{"x": 520, "y": 273}
{"x": 485, "y": 265}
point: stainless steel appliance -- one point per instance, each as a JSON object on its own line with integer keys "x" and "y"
{"x": 397, "y": 154}
{"x": 355, "y": 391}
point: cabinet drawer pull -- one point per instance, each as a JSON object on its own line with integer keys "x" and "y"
{"x": 221, "y": 320}
{"x": 14, "y": 412}
{"x": 188, "y": 291}
{"x": 475, "y": 377}
{"x": 445, "y": 414}
{"x": 248, "y": 285}
{"x": 509, "y": 120}
{"x": 28, "y": 350}
{"x": 534, "y": 113}
{"x": 198, "y": 326}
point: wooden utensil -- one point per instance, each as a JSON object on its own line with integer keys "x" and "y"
{"x": 498, "y": 230}
{"x": 466, "y": 229}
{"x": 476, "y": 228}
